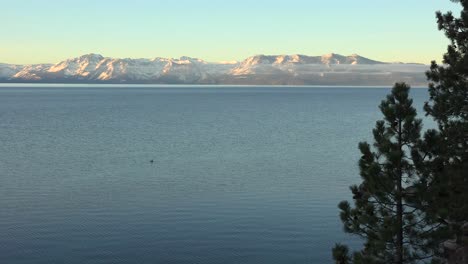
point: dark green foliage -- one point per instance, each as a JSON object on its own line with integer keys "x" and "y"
{"x": 414, "y": 193}
{"x": 443, "y": 157}
{"x": 340, "y": 254}
{"x": 392, "y": 227}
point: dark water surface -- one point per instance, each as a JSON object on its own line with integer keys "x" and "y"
{"x": 240, "y": 175}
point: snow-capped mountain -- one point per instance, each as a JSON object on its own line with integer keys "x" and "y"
{"x": 261, "y": 64}
{"x": 94, "y": 67}
{"x": 260, "y": 69}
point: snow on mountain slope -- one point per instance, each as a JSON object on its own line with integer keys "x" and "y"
{"x": 8, "y": 70}
{"x": 257, "y": 64}
{"x": 96, "y": 67}
{"x": 31, "y": 72}
{"x": 356, "y": 59}
{"x": 82, "y": 66}
{"x": 294, "y": 69}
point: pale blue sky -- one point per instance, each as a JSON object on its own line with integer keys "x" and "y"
{"x": 35, "y": 31}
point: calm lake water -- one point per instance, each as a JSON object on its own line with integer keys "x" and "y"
{"x": 240, "y": 175}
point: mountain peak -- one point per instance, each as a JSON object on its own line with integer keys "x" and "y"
{"x": 91, "y": 56}
{"x": 331, "y": 55}
{"x": 191, "y": 59}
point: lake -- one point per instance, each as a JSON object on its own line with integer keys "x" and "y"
{"x": 239, "y": 174}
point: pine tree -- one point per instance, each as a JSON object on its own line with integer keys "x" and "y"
{"x": 443, "y": 157}
{"x": 340, "y": 254}
{"x": 392, "y": 228}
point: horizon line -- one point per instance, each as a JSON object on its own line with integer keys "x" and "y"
{"x": 219, "y": 61}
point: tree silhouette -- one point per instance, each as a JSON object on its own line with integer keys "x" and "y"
{"x": 392, "y": 227}
{"x": 443, "y": 157}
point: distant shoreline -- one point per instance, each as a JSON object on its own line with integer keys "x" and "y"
{"x": 136, "y": 85}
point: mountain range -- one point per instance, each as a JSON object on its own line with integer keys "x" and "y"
{"x": 329, "y": 69}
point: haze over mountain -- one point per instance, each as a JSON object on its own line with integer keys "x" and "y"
{"x": 329, "y": 69}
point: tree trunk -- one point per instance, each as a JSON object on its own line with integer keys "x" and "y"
{"x": 399, "y": 196}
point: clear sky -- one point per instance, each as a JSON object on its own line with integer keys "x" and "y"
{"x": 37, "y": 31}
